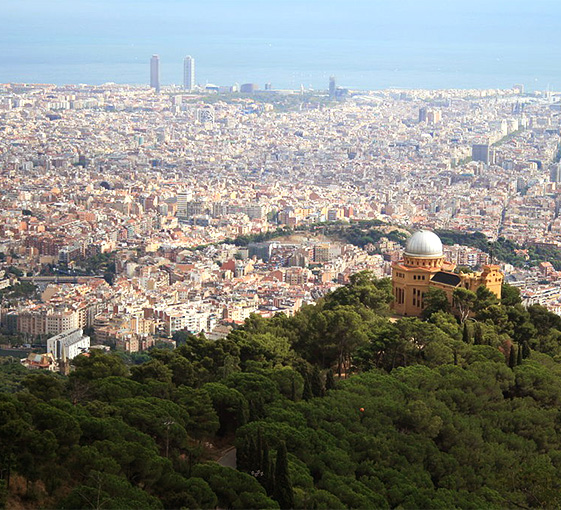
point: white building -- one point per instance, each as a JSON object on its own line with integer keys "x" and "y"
{"x": 183, "y": 198}
{"x": 68, "y": 344}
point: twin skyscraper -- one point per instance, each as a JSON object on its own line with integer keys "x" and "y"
{"x": 188, "y": 73}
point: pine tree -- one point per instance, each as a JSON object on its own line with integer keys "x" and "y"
{"x": 253, "y": 456}
{"x": 267, "y": 469}
{"x": 525, "y": 350}
{"x": 329, "y": 380}
{"x": 259, "y": 447}
{"x": 283, "y": 492}
{"x": 519, "y": 356}
{"x": 316, "y": 383}
{"x": 293, "y": 390}
{"x": 512, "y": 357}
{"x": 244, "y": 455}
{"x": 307, "y": 394}
{"x": 465, "y": 334}
{"x": 270, "y": 487}
{"x": 478, "y": 335}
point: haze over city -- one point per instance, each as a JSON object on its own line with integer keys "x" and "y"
{"x": 280, "y": 255}
{"x": 367, "y": 44}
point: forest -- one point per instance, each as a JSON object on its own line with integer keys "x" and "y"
{"x": 364, "y": 232}
{"x": 504, "y": 249}
{"x": 338, "y": 406}
{"x": 361, "y": 233}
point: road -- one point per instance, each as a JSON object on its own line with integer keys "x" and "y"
{"x": 228, "y": 459}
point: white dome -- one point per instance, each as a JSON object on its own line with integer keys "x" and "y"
{"x": 424, "y": 244}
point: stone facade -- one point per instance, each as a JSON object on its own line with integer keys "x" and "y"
{"x": 423, "y": 266}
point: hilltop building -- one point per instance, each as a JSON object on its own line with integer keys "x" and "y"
{"x": 44, "y": 361}
{"x": 423, "y": 266}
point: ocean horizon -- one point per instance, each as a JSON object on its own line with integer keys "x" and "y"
{"x": 365, "y": 45}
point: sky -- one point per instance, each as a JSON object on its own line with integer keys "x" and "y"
{"x": 410, "y": 41}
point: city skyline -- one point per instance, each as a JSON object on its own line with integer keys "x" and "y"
{"x": 126, "y": 168}
{"x": 370, "y": 45}
{"x": 368, "y": 282}
{"x": 321, "y": 268}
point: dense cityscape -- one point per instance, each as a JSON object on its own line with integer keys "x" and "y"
{"x": 195, "y": 278}
{"x": 161, "y": 184}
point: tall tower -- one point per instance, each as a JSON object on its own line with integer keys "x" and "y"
{"x": 483, "y": 152}
{"x": 555, "y": 173}
{"x": 189, "y": 73}
{"x": 155, "y": 72}
{"x": 332, "y": 87}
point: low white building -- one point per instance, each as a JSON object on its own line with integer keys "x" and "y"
{"x": 68, "y": 344}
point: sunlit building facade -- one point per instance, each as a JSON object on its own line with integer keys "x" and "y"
{"x": 423, "y": 266}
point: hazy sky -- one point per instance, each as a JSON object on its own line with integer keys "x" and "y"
{"x": 325, "y": 36}
{"x": 151, "y": 20}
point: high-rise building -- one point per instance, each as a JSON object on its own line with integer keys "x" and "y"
{"x": 332, "y": 87}
{"x": 68, "y": 344}
{"x": 434, "y": 117}
{"x": 183, "y": 198}
{"x": 205, "y": 114}
{"x": 189, "y": 73}
{"x": 322, "y": 253}
{"x": 555, "y": 173}
{"x": 483, "y": 152}
{"x": 429, "y": 116}
{"x": 155, "y": 72}
{"x": 248, "y": 88}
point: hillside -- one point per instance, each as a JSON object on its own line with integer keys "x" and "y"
{"x": 336, "y": 407}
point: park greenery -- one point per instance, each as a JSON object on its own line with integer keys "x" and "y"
{"x": 20, "y": 290}
{"x": 361, "y": 233}
{"x": 503, "y": 249}
{"x": 338, "y": 406}
{"x": 100, "y": 264}
{"x": 255, "y": 102}
{"x": 245, "y": 239}
{"x": 365, "y": 232}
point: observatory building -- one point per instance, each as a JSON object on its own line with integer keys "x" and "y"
{"x": 423, "y": 266}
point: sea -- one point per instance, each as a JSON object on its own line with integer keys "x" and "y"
{"x": 365, "y": 44}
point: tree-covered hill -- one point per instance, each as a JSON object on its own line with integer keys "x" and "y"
{"x": 340, "y": 406}
{"x": 504, "y": 249}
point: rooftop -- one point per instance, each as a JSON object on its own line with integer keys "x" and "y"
{"x": 424, "y": 243}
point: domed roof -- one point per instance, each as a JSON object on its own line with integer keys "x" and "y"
{"x": 424, "y": 243}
